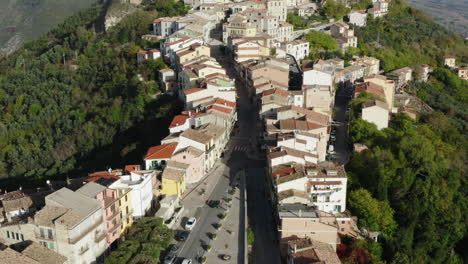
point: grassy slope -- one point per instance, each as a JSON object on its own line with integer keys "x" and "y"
{"x": 28, "y": 19}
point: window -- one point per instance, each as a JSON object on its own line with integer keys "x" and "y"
{"x": 49, "y": 233}
{"x": 17, "y": 236}
{"x": 342, "y": 222}
{"x": 126, "y": 209}
{"x": 342, "y": 229}
{"x": 42, "y": 231}
{"x": 44, "y": 244}
{"x": 126, "y": 197}
{"x": 22, "y": 237}
{"x": 51, "y": 245}
{"x": 8, "y": 234}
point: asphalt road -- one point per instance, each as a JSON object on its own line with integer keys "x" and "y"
{"x": 260, "y": 211}
{"x": 342, "y": 147}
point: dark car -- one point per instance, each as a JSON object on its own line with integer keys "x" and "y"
{"x": 172, "y": 249}
{"x": 169, "y": 258}
{"x": 181, "y": 235}
{"x": 213, "y": 203}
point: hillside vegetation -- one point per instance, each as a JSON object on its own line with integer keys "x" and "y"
{"x": 71, "y": 101}
{"x": 23, "y": 20}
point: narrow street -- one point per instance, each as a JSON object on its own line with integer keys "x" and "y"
{"x": 266, "y": 249}
{"x": 342, "y": 147}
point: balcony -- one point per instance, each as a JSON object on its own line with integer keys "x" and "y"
{"x": 113, "y": 215}
{"x": 100, "y": 237}
{"x": 327, "y": 202}
{"x": 83, "y": 250}
{"x": 113, "y": 228}
{"x": 84, "y": 233}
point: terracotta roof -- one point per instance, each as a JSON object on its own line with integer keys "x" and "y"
{"x": 283, "y": 172}
{"x": 196, "y": 135}
{"x": 193, "y": 90}
{"x": 221, "y": 101}
{"x": 277, "y": 91}
{"x": 161, "y": 152}
{"x": 178, "y": 120}
{"x": 154, "y": 50}
{"x": 130, "y": 168}
{"x": 449, "y": 57}
{"x": 221, "y": 109}
{"x": 371, "y": 88}
{"x": 294, "y": 124}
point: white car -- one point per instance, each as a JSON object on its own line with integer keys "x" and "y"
{"x": 187, "y": 261}
{"x": 331, "y": 149}
{"x": 190, "y": 223}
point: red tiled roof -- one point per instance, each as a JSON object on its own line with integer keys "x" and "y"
{"x": 449, "y": 57}
{"x": 371, "y": 88}
{"x": 178, "y": 120}
{"x": 221, "y": 101}
{"x": 178, "y": 41}
{"x": 193, "y": 90}
{"x": 161, "y": 152}
{"x": 95, "y": 178}
{"x": 277, "y": 91}
{"x": 130, "y": 168}
{"x": 283, "y": 172}
{"x": 154, "y": 50}
{"x": 221, "y": 109}
{"x": 142, "y": 52}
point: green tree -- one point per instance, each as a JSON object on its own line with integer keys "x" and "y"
{"x": 320, "y": 41}
{"x": 335, "y": 9}
{"x": 374, "y": 215}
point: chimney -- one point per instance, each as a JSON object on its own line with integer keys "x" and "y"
{"x": 109, "y": 170}
{"x": 189, "y": 113}
{"x": 295, "y": 247}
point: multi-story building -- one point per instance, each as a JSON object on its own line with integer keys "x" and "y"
{"x": 156, "y": 157}
{"x": 122, "y": 196}
{"x": 307, "y": 222}
{"x": 343, "y": 35}
{"x": 140, "y": 183}
{"x": 379, "y": 9}
{"x": 462, "y": 73}
{"x": 358, "y": 18}
{"x": 450, "y": 61}
{"x": 165, "y": 26}
{"x": 319, "y": 98}
{"x": 70, "y": 223}
{"x": 277, "y": 8}
{"x": 110, "y": 205}
{"x": 299, "y": 49}
{"x": 248, "y": 50}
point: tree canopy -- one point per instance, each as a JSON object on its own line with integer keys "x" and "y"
{"x": 418, "y": 171}
{"x": 335, "y": 9}
{"x": 146, "y": 240}
{"x": 71, "y": 101}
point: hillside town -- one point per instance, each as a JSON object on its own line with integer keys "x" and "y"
{"x": 261, "y": 144}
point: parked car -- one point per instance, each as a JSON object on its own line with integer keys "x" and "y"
{"x": 172, "y": 249}
{"x": 170, "y": 258}
{"x": 213, "y": 203}
{"x": 181, "y": 235}
{"x": 191, "y": 222}
{"x": 333, "y": 138}
{"x": 331, "y": 149}
{"x": 187, "y": 261}
{"x": 225, "y": 257}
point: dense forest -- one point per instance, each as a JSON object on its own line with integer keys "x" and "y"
{"x": 411, "y": 183}
{"x": 71, "y": 101}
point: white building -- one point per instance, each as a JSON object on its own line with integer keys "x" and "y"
{"x": 165, "y": 26}
{"x": 317, "y": 77}
{"x": 141, "y": 185}
{"x": 358, "y": 18}
{"x": 327, "y": 183}
{"x": 297, "y": 48}
{"x": 376, "y": 112}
